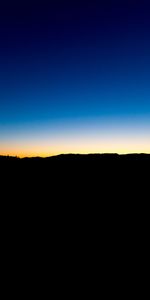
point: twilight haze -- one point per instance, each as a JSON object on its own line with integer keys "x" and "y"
{"x": 74, "y": 77}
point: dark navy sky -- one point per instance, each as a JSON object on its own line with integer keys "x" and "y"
{"x": 73, "y": 60}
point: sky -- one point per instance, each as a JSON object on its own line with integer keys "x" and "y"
{"x": 74, "y": 77}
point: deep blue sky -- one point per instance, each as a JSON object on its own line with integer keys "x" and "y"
{"x": 73, "y": 60}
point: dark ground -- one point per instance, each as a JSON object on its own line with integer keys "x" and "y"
{"x": 77, "y": 187}
{"x": 77, "y": 183}
{"x": 76, "y": 213}
{"x": 73, "y": 175}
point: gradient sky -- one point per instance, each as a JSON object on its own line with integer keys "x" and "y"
{"x": 74, "y": 77}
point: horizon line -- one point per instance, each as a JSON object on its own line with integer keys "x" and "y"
{"x": 74, "y": 154}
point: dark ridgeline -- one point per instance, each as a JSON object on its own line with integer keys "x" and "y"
{"x": 77, "y": 180}
{"x": 77, "y": 187}
{"x": 93, "y": 170}
{"x": 103, "y": 161}
{"x": 76, "y": 211}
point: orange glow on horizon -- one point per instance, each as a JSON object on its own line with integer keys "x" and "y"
{"x": 81, "y": 142}
{"x": 36, "y": 153}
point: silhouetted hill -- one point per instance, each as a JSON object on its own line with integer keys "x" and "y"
{"x": 81, "y": 158}
{"x": 72, "y": 200}
{"x": 94, "y": 176}
{"x": 74, "y": 168}
{"x": 77, "y": 160}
